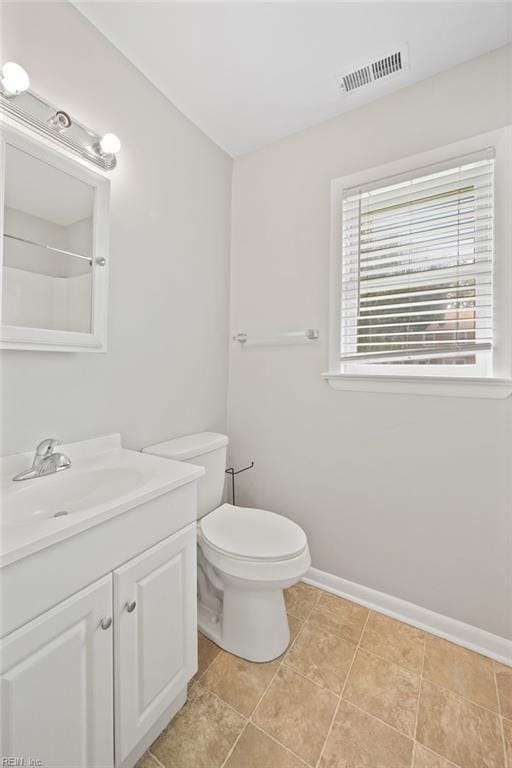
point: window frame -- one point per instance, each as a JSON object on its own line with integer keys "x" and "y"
{"x": 497, "y": 382}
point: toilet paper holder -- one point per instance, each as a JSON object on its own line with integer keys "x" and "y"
{"x": 233, "y": 472}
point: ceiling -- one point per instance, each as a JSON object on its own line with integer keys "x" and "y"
{"x": 248, "y": 73}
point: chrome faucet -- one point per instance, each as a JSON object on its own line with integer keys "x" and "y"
{"x": 45, "y": 462}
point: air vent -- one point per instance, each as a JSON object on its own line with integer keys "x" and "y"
{"x": 356, "y": 79}
{"x": 387, "y": 66}
{"x": 376, "y": 70}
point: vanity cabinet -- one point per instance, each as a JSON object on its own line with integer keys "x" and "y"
{"x": 92, "y": 681}
{"x": 57, "y": 684}
{"x": 155, "y": 638}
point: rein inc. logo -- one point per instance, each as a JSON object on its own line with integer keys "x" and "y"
{"x": 21, "y": 762}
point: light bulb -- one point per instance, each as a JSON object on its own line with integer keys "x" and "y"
{"x": 14, "y": 79}
{"x": 110, "y": 144}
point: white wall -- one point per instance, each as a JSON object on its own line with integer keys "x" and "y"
{"x": 165, "y": 372}
{"x": 409, "y": 495}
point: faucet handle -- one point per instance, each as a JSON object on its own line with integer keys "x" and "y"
{"x": 45, "y": 448}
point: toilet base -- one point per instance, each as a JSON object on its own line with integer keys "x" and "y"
{"x": 253, "y": 623}
{"x": 241, "y": 602}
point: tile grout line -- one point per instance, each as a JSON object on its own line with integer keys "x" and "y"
{"x": 507, "y": 761}
{"x": 310, "y": 611}
{"x": 460, "y": 696}
{"x": 309, "y": 680}
{"x": 419, "y": 699}
{"x": 230, "y": 706}
{"x": 210, "y": 665}
{"x": 155, "y": 758}
{"x": 299, "y": 632}
{"x": 391, "y": 663}
{"x": 500, "y": 715}
{"x": 302, "y": 620}
{"x": 374, "y": 717}
{"x": 276, "y": 741}
{"x": 278, "y": 667}
{"x": 313, "y": 682}
{"x": 246, "y": 725}
{"x": 436, "y": 754}
{"x": 205, "y": 670}
{"x": 340, "y": 697}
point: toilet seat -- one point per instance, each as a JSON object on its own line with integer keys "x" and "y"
{"x": 253, "y": 544}
{"x": 252, "y": 534}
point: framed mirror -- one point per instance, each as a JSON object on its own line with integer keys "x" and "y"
{"x": 54, "y": 248}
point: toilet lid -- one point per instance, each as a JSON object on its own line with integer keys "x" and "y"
{"x": 254, "y": 534}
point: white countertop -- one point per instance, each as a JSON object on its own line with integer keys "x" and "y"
{"x": 103, "y": 481}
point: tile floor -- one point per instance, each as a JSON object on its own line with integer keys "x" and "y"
{"x": 355, "y": 689}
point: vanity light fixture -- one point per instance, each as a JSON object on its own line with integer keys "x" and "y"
{"x": 110, "y": 144}
{"x": 60, "y": 121}
{"x": 30, "y": 110}
{"x": 107, "y": 147}
{"x": 14, "y": 80}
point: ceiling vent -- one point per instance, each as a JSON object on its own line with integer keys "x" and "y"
{"x": 377, "y": 70}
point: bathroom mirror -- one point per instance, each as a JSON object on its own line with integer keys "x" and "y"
{"x": 54, "y": 248}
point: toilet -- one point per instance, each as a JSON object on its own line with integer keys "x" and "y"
{"x": 245, "y": 558}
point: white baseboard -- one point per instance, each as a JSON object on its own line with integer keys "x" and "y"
{"x": 474, "y": 638}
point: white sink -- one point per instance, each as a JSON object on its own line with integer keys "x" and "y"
{"x": 65, "y": 494}
{"x": 104, "y": 480}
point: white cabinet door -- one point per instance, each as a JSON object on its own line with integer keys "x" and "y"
{"x": 57, "y": 689}
{"x": 155, "y": 640}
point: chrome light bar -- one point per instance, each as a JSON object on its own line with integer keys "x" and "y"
{"x": 34, "y": 112}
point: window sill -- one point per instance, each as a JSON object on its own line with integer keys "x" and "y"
{"x": 445, "y": 386}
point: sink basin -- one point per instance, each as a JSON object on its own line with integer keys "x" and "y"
{"x": 62, "y": 494}
{"x": 104, "y": 480}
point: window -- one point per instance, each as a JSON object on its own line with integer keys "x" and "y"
{"x": 417, "y": 269}
{"x": 416, "y": 254}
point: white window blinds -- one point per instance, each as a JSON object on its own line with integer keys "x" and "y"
{"x": 417, "y": 267}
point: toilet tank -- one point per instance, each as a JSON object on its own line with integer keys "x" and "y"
{"x": 206, "y": 449}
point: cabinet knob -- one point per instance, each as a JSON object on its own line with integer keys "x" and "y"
{"x": 130, "y": 606}
{"x": 106, "y": 622}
